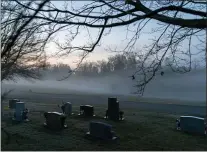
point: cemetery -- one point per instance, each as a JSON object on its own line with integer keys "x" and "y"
{"x": 99, "y": 128}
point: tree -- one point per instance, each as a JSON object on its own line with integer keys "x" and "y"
{"x": 23, "y": 41}
{"x": 105, "y": 67}
{"x": 178, "y": 22}
{"x": 118, "y": 62}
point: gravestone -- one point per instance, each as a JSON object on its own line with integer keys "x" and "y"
{"x": 55, "y": 120}
{"x": 67, "y": 108}
{"x": 192, "y": 124}
{"x": 12, "y": 103}
{"x": 87, "y": 110}
{"x": 113, "y": 108}
{"x": 19, "y": 108}
{"x": 101, "y": 130}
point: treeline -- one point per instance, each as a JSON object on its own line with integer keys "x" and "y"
{"x": 113, "y": 64}
{"x": 117, "y": 64}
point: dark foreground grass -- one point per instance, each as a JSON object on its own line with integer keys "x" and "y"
{"x": 141, "y": 130}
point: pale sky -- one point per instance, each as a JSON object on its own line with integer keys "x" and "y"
{"x": 114, "y": 40}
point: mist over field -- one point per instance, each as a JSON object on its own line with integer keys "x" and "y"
{"x": 190, "y": 86}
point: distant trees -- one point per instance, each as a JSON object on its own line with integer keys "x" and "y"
{"x": 113, "y": 64}
{"x": 127, "y": 62}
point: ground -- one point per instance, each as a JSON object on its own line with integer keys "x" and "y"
{"x": 141, "y": 130}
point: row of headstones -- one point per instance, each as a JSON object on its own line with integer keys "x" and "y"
{"x": 186, "y": 123}
{"x": 56, "y": 120}
{"x": 113, "y": 112}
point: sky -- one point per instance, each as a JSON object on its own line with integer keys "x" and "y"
{"x": 114, "y": 40}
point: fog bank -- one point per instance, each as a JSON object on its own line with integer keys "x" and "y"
{"x": 190, "y": 86}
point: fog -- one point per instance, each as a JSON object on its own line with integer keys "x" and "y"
{"x": 190, "y": 86}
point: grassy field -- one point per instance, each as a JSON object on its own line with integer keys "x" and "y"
{"x": 141, "y": 130}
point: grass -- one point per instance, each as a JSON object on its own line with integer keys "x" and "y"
{"x": 141, "y": 130}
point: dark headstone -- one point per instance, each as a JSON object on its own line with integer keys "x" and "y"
{"x": 55, "y": 120}
{"x": 113, "y": 109}
{"x": 192, "y": 124}
{"x": 12, "y": 103}
{"x": 86, "y": 110}
{"x": 101, "y": 130}
{"x": 67, "y": 108}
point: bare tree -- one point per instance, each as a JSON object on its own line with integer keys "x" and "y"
{"x": 178, "y": 23}
{"x": 23, "y": 41}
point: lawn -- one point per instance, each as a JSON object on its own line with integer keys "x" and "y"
{"x": 141, "y": 130}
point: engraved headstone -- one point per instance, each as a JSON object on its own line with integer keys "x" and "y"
{"x": 113, "y": 109}
{"x": 20, "y": 106}
{"x": 101, "y": 130}
{"x": 87, "y": 110}
{"x": 12, "y": 103}
{"x": 192, "y": 124}
{"x": 55, "y": 120}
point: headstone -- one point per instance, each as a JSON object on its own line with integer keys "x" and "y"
{"x": 86, "y": 110}
{"x": 68, "y": 108}
{"x": 55, "y": 120}
{"x": 101, "y": 130}
{"x": 192, "y": 124}
{"x": 19, "y": 108}
{"x": 113, "y": 109}
{"x": 12, "y": 103}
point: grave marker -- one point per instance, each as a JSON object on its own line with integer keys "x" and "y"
{"x": 101, "y": 130}
{"x": 113, "y": 108}
{"x": 67, "y": 108}
{"x": 192, "y": 124}
{"x": 87, "y": 110}
{"x": 20, "y": 106}
{"x": 12, "y": 103}
{"x": 55, "y": 120}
